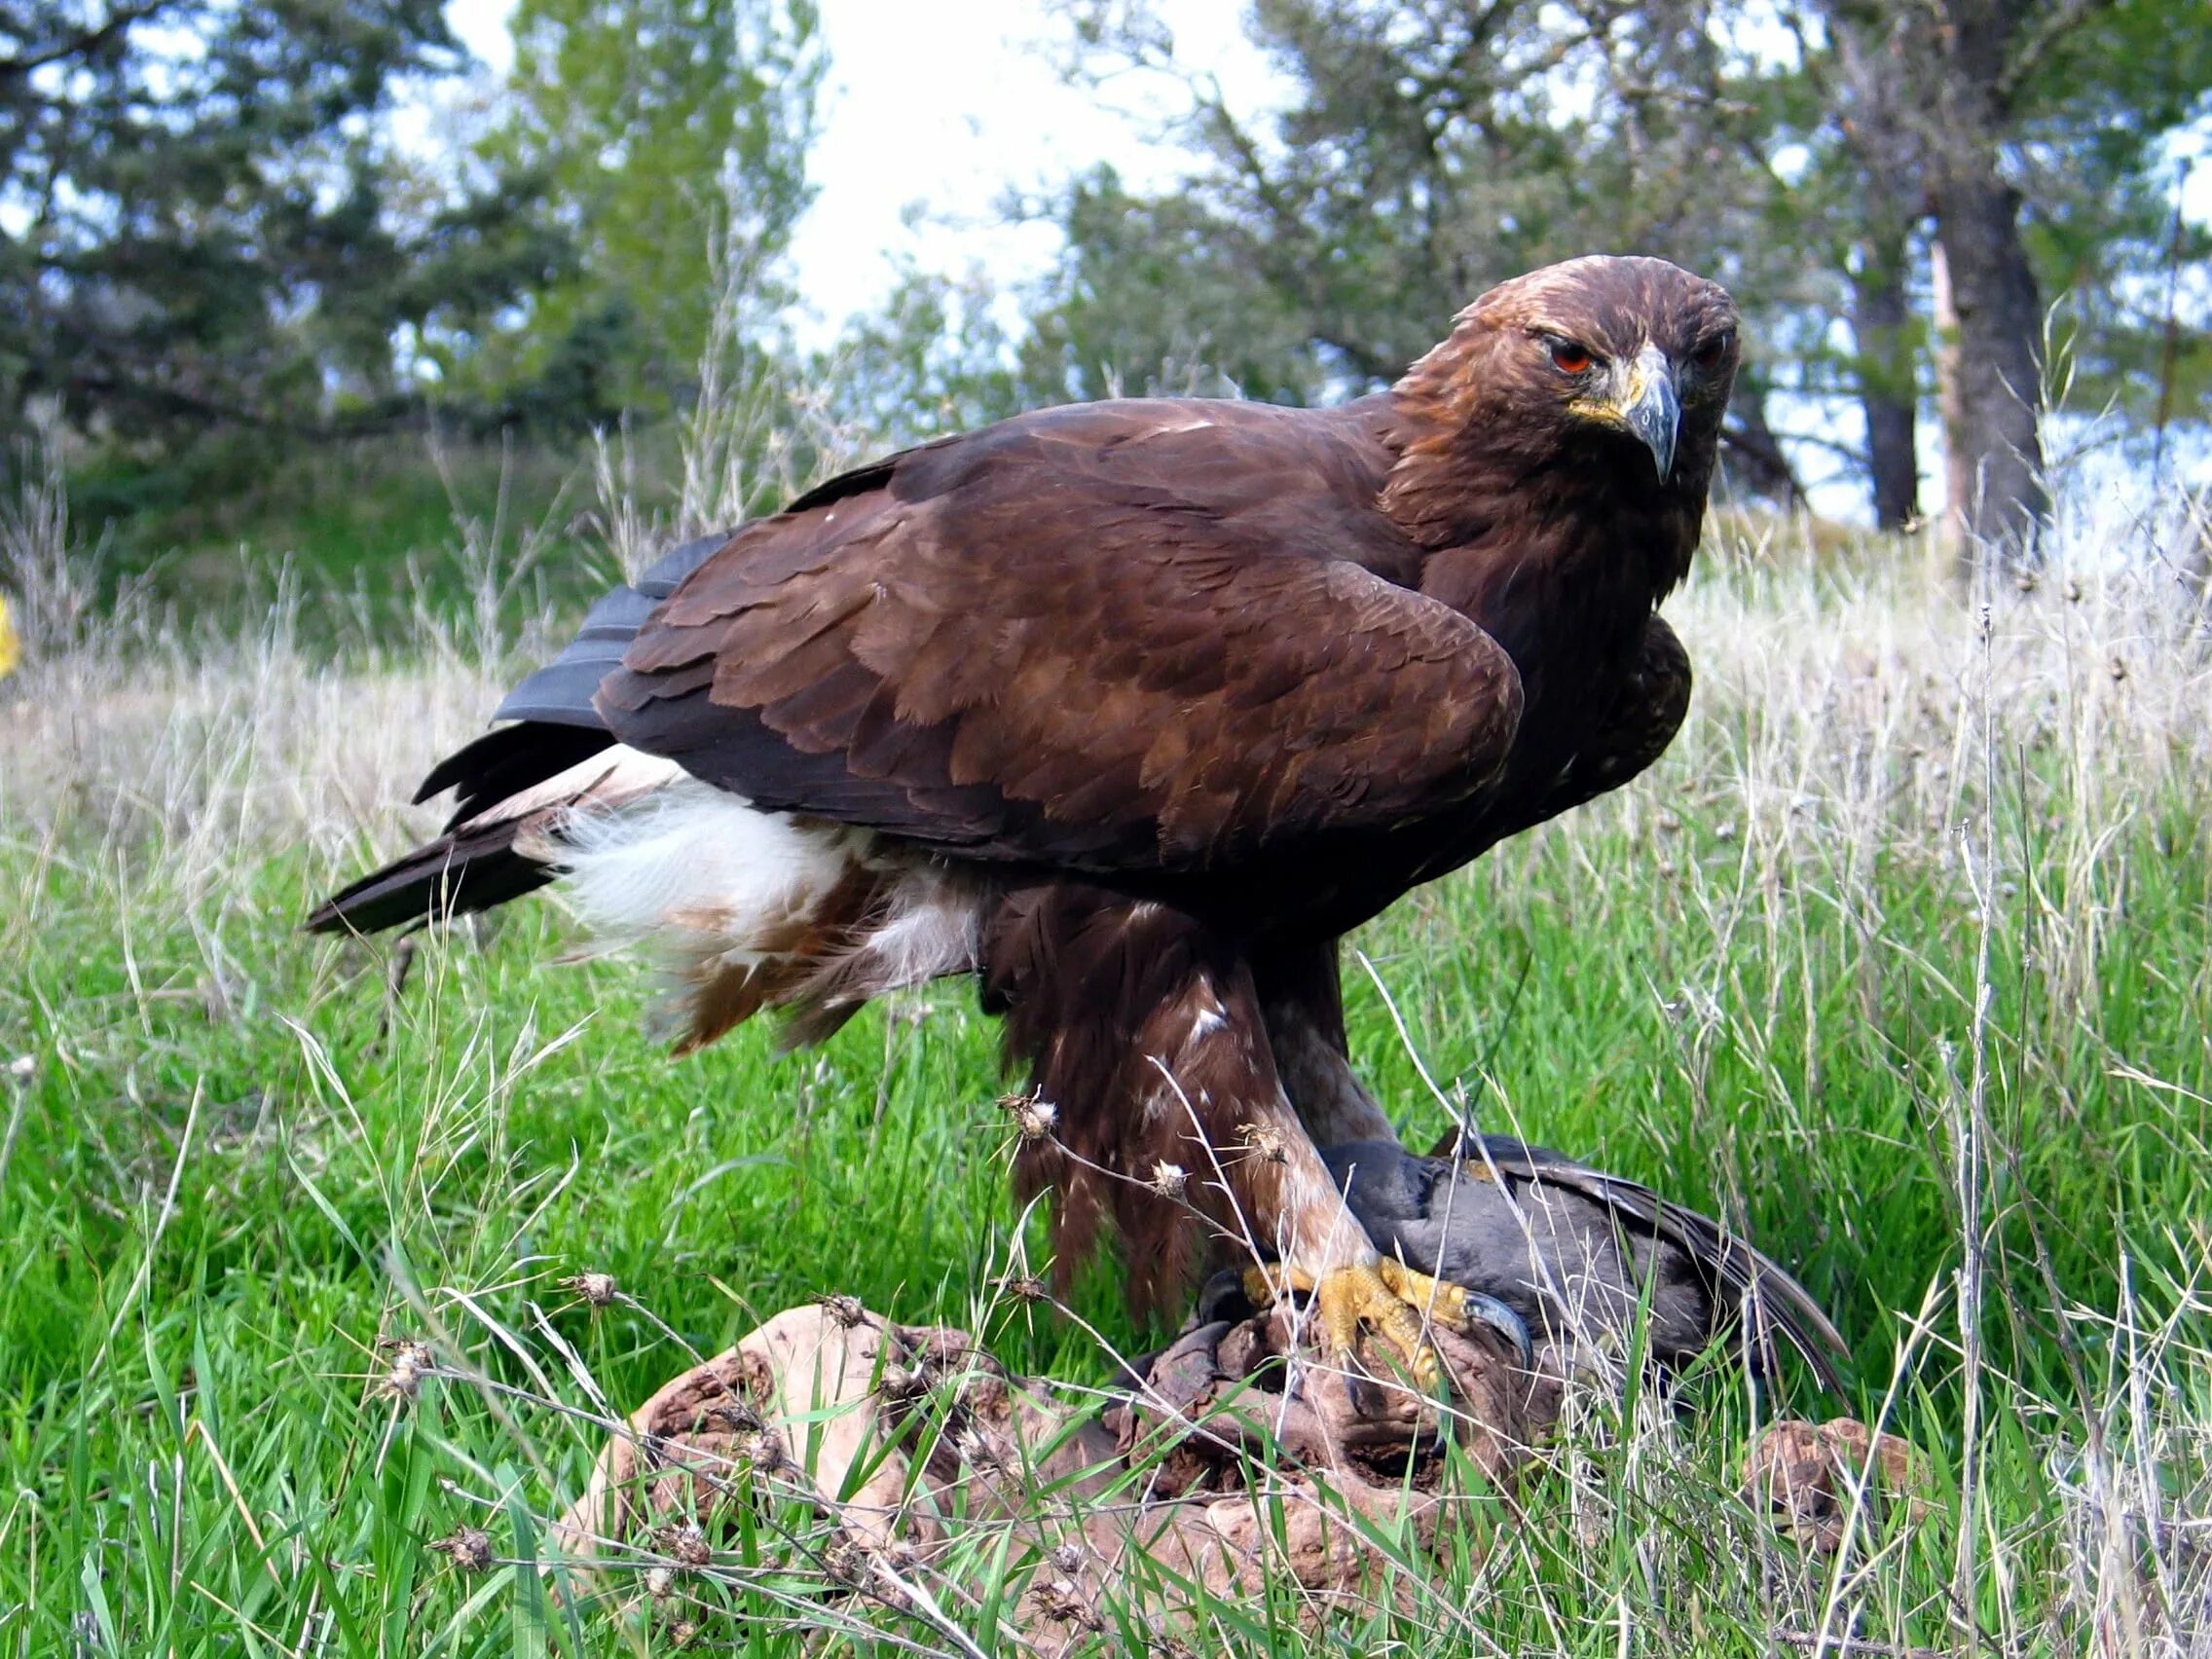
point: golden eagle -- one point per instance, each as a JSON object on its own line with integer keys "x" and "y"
{"x": 1133, "y": 709}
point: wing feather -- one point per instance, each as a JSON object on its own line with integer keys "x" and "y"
{"x": 1105, "y": 654}
{"x": 1752, "y": 1277}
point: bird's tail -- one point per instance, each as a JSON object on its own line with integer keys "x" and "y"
{"x": 740, "y": 910}
{"x": 513, "y": 784}
{"x": 517, "y": 786}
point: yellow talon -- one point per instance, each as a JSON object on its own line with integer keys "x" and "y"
{"x": 1437, "y": 1298}
{"x": 1385, "y": 1293}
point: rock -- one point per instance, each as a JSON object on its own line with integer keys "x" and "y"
{"x": 1803, "y": 1474}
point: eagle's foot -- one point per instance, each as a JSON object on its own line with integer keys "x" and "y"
{"x": 1380, "y": 1293}
{"x": 1458, "y": 1307}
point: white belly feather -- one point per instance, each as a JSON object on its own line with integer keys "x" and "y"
{"x": 739, "y": 908}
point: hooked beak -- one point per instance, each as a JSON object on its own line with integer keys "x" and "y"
{"x": 1647, "y": 405}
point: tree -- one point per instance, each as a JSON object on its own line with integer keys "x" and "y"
{"x": 1878, "y": 198}
{"x": 2027, "y": 136}
{"x": 673, "y": 134}
{"x": 1429, "y": 147}
{"x": 1430, "y": 150}
{"x": 938, "y": 360}
{"x": 1172, "y": 295}
{"x": 202, "y": 225}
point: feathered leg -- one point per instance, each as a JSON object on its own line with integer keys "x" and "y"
{"x": 1302, "y": 997}
{"x": 1143, "y": 1030}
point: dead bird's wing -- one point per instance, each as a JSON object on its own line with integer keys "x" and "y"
{"x": 1775, "y": 1302}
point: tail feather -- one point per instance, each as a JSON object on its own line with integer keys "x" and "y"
{"x": 506, "y": 761}
{"x": 740, "y": 910}
{"x": 489, "y": 852}
{"x": 454, "y": 875}
{"x": 493, "y": 853}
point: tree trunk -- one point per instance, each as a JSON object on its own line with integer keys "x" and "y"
{"x": 1881, "y": 324}
{"x": 1958, "y": 470}
{"x": 1996, "y": 438}
{"x": 1993, "y": 413}
{"x": 1751, "y": 458}
{"x": 1876, "y": 54}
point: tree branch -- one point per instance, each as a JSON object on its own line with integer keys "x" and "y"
{"x": 2048, "y": 33}
{"x": 28, "y": 62}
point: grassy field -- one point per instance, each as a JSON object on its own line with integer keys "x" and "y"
{"x": 1902, "y": 959}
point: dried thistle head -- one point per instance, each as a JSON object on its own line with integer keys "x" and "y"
{"x": 1064, "y": 1603}
{"x": 1034, "y": 1119}
{"x": 845, "y": 1560}
{"x": 1265, "y": 1141}
{"x": 659, "y": 1581}
{"x": 685, "y": 1545}
{"x": 765, "y": 1453}
{"x": 596, "y": 1290}
{"x": 734, "y": 1416}
{"x": 1168, "y": 1180}
{"x": 901, "y": 1387}
{"x": 1068, "y": 1559}
{"x": 411, "y": 1361}
{"x": 846, "y": 1310}
{"x": 469, "y": 1548}
{"x": 1025, "y": 1289}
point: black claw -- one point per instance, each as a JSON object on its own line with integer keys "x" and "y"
{"x": 1491, "y": 1311}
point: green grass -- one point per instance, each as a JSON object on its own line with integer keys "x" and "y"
{"x": 1890, "y": 957}
{"x": 370, "y": 528}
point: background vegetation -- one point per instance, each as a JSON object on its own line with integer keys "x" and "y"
{"x": 221, "y": 267}
{"x": 1902, "y": 959}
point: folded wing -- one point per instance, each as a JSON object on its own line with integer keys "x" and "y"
{"x": 1087, "y": 655}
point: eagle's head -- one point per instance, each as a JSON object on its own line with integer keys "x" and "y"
{"x": 1604, "y": 375}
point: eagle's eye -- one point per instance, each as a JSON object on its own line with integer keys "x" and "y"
{"x": 1568, "y": 357}
{"x": 1709, "y": 353}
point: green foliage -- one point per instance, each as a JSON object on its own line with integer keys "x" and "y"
{"x": 673, "y": 137}
{"x": 370, "y": 526}
{"x": 937, "y": 361}
{"x": 215, "y": 256}
{"x": 2096, "y": 119}
{"x": 1163, "y": 296}
{"x": 1423, "y": 153}
{"x": 206, "y": 227}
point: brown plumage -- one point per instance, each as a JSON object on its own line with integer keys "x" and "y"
{"x": 1133, "y": 708}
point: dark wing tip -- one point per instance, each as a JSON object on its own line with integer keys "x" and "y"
{"x": 1770, "y": 1298}
{"x": 1776, "y": 1302}
{"x": 456, "y": 873}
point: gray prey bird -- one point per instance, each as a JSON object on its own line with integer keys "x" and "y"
{"x": 1562, "y": 1256}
